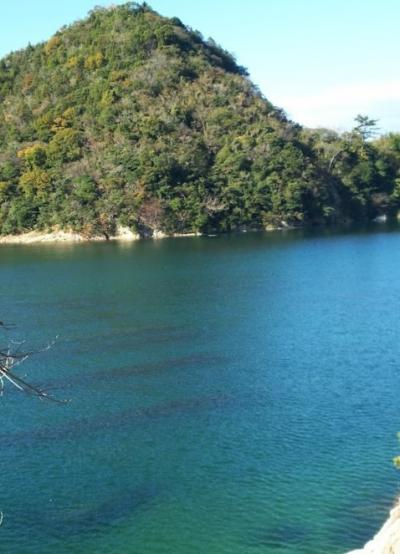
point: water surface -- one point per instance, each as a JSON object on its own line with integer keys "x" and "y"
{"x": 234, "y": 394}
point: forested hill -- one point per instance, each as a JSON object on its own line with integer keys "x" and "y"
{"x": 129, "y": 118}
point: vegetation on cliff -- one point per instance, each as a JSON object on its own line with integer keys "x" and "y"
{"x": 129, "y": 118}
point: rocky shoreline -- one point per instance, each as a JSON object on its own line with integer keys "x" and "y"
{"x": 122, "y": 234}
{"x": 387, "y": 540}
{"x": 59, "y": 236}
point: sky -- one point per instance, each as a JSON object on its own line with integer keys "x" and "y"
{"x": 322, "y": 61}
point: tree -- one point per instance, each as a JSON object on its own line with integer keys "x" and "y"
{"x": 131, "y": 118}
{"x": 10, "y": 359}
{"x": 366, "y": 127}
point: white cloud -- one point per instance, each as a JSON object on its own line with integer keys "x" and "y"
{"x": 337, "y": 106}
{"x": 348, "y": 95}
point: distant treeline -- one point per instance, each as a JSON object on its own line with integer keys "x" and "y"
{"x": 129, "y": 118}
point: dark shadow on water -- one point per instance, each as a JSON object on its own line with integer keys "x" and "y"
{"x": 74, "y": 521}
{"x": 105, "y": 340}
{"x": 76, "y": 429}
{"x": 146, "y": 368}
{"x": 158, "y": 367}
{"x": 280, "y": 536}
{"x": 352, "y": 229}
{"x": 109, "y": 512}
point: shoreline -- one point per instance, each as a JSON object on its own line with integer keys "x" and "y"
{"x": 387, "y": 539}
{"x": 124, "y": 234}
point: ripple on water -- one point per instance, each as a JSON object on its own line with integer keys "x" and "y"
{"x": 234, "y": 395}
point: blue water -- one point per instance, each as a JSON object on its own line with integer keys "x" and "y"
{"x": 235, "y": 394}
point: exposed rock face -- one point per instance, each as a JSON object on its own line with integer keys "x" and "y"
{"x": 387, "y": 540}
{"x": 36, "y": 236}
{"x": 57, "y": 235}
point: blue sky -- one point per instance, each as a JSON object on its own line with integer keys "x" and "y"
{"x": 323, "y": 61}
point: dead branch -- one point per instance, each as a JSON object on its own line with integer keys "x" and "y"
{"x": 10, "y": 358}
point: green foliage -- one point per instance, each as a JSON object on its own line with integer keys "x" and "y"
{"x": 65, "y": 146}
{"x": 34, "y": 181}
{"x": 396, "y": 459}
{"x": 366, "y": 127}
{"x": 361, "y": 173}
{"x": 131, "y": 118}
{"x": 34, "y": 156}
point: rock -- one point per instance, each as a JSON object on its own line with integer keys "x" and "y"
{"x": 125, "y": 233}
{"x": 387, "y": 540}
{"x": 380, "y": 218}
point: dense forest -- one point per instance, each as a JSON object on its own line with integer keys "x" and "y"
{"x": 131, "y": 119}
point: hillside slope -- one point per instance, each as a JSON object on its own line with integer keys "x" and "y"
{"x": 129, "y": 118}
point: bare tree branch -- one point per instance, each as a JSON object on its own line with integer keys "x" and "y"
{"x": 10, "y": 359}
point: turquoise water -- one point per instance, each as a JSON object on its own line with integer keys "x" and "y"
{"x": 235, "y": 394}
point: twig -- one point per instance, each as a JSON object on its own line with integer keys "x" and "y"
{"x": 9, "y": 359}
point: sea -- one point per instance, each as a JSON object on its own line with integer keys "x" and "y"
{"x": 237, "y": 394}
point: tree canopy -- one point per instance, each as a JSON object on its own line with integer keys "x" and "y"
{"x": 129, "y": 118}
